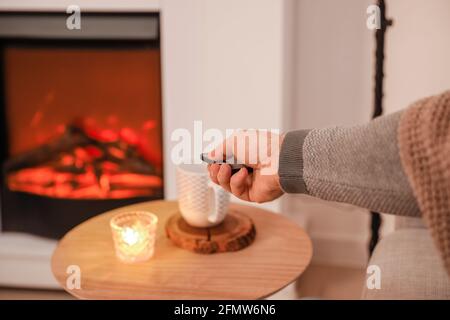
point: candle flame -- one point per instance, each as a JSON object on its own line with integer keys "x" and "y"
{"x": 130, "y": 236}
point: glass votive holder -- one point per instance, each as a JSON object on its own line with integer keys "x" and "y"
{"x": 134, "y": 235}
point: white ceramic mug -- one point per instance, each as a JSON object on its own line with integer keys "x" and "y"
{"x": 202, "y": 203}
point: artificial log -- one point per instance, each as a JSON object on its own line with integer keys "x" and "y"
{"x": 73, "y": 140}
{"x": 84, "y": 163}
{"x": 45, "y": 181}
{"x": 236, "y": 232}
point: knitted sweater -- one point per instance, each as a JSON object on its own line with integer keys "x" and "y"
{"x": 398, "y": 164}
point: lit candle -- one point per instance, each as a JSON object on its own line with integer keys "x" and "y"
{"x": 134, "y": 235}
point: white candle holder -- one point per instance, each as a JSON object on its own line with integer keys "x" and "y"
{"x": 134, "y": 235}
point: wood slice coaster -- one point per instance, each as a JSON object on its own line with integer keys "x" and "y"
{"x": 236, "y": 232}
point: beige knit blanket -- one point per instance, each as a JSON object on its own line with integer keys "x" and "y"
{"x": 424, "y": 141}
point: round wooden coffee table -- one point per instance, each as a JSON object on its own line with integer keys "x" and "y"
{"x": 279, "y": 254}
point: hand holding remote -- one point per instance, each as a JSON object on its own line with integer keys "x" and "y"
{"x": 262, "y": 184}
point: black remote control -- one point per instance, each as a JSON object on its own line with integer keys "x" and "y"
{"x": 235, "y": 167}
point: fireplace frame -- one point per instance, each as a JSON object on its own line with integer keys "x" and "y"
{"x": 72, "y": 208}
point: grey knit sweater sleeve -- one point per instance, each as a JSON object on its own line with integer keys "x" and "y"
{"x": 359, "y": 165}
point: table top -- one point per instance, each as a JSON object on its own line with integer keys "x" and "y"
{"x": 280, "y": 253}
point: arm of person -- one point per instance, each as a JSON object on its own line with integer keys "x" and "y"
{"x": 359, "y": 165}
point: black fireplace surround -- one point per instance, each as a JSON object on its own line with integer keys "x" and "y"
{"x": 48, "y": 216}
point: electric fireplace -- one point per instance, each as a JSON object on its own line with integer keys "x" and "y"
{"x": 81, "y": 118}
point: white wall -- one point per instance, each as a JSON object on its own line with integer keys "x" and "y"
{"x": 418, "y": 47}
{"x": 223, "y": 64}
{"x": 333, "y": 63}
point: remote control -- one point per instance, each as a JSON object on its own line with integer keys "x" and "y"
{"x": 235, "y": 167}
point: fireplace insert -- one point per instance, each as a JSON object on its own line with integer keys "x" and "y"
{"x": 81, "y": 118}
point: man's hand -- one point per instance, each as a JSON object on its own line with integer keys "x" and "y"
{"x": 256, "y": 149}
